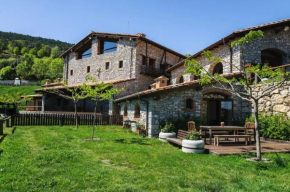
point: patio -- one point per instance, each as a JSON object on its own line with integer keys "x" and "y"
{"x": 231, "y": 147}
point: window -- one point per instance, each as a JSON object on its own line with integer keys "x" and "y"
{"x": 85, "y": 51}
{"x": 120, "y": 64}
{"x": 144, "y": 60}
{"x": 151, "y": 62}
{"x": 86, "y": 54}
{"x": 107, "y": 65}
{"x": 189, "y": 104}
{"x": 181, "y": 79}
{"x": 137, "y": 111}
{"x": 218, "y": 68}
{"x": 108, "y": 46}
{"x": 88, "y": 69}
{"x": 71, "y": 72}
{"x": 125, "y": 110}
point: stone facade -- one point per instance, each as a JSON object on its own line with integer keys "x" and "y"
{"x": 222, "y": 52}
{"x": 126, "y": 52}
{"x": 278, "y": 101}
{"x": 171, "y": 103}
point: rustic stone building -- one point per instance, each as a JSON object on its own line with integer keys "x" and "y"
{"x": 128, "y": 61}
{"x": 184, "y": 96}
{"x": 155, "y": 85}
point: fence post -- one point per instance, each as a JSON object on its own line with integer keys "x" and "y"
{"x": 1, "y": 127}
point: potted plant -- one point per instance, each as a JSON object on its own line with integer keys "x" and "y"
{"x": 192, "y": 143}
{"x": 138, "y": 128}
{"x": 167, "y": 132}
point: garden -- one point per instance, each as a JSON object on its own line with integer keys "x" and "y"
{"x": 57, "y": 158}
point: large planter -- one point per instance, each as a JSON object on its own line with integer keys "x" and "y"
{"x": 192, "y": 146}
{"x": 164, "y": 136}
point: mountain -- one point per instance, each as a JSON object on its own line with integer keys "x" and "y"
{"x": 32, "y": 58}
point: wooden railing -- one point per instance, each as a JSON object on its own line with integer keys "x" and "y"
{"x": 64, "y": 119}
{"x": 151, "y": 71}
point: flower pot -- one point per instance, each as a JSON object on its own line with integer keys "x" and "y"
{"x": 192, "y": 146}
{"x": 164, "y": 136}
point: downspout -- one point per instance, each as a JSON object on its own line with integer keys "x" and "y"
{"x": 231, "y": 55}
{"x": 147, "y": 112}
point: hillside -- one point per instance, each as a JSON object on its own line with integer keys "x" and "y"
{"x": 31, "y": 58}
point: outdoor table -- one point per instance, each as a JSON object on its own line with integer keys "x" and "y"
{"x": 219, "y": 128}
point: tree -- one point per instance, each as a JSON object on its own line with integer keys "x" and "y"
{"x": 16, "y": 51}
{"x": 24, "y": 50}
{"x": 41, "y": 53}
{"x": 33, "y": 52}
{"x": 71, "y": 93}
{"x": 24, "y": 68}
{"x": 14, "y": 99}
{"x": 55, "y": 52}
{"x": 56, "y": 68}
{"x": 242, "y": 87}
{"x": 7, "y": 73}
{"x": 40, "y": 67}
{"x": 99, "y": 92}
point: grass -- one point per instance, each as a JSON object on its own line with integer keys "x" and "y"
{"x": 58, "y": 159}
{"x": 24, "y": 90}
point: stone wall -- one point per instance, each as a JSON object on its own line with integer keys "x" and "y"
{"x": 156, "y": 53}
{"x": 171, "y": 103}
{"x": 222, "y": 52}
{"x": 126, "y": 52}
{"x": 271, "y": 40}
{"x": 277, "y": 102}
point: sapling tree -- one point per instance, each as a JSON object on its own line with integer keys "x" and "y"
{"x": 241, "y": 86}
{"x": 75, "y": 94}
{"x": 100, "y": 92}
{"x": 14, "y": 99}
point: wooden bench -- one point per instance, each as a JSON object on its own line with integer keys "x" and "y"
{"x": 246, "y": 137}
{"x": 180, "y": 135}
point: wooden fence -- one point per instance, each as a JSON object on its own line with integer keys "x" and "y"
{"x": 64, "y": 119}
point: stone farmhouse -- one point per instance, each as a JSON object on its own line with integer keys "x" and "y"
{"x": 156, "y": 87}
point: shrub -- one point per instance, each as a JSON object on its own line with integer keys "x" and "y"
{"x": 193, "y": 135}
{"x": 276, "y": 126}
{"x": 179, "y": 122}
{"x": 168, "y": 128}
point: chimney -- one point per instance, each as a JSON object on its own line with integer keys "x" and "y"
{"x": 141, "y": 35}
{"x": 161, "y": 82}
{"x": 153, "y": 86}
{"x": 47, "y": 81}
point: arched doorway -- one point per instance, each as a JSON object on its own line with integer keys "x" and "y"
{"x": 218, "y": 107}
{"x": 273, "y": 57}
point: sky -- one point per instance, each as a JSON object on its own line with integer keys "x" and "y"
{"x": 186, "y": 26}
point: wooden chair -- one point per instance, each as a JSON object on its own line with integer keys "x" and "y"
{"x": 191, "y": 126}
{"x": 250, "y": 129}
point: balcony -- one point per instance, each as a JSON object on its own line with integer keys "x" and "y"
{"x": 152, "y": 71}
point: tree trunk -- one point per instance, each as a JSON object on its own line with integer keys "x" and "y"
{"x": 94, "y": 122}
{"x": 258, "y": 142}
{"x": 76, "y": 115}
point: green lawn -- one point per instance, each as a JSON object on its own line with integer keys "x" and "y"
{"x": 25, "y": 90}
{"x": 58, "y": 159}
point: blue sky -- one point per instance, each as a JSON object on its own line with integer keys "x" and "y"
{"x": 186, "y": 26}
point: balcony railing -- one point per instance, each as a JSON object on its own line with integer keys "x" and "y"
{"x": 152, "y": 71}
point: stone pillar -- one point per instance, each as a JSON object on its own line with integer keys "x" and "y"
{"x": 43, "y": 103}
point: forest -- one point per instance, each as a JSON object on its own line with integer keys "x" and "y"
{"x": 30, "y": 58}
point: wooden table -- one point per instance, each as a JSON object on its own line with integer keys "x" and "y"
{"x": 219, "y": 128}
